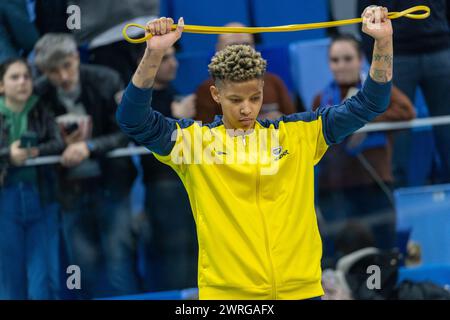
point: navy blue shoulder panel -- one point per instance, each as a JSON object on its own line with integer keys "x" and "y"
{"x": 307, "y": 116}
{"x": 183, "y": 123}
{"x": 216, "y": 123}
{"x": 186, "y": 123}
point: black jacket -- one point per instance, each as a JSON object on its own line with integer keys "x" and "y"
{"x": 99, "y": 86}
{"x": 42, "y": 122}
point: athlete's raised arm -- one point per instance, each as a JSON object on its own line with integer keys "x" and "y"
{"x": 135, "y": 116}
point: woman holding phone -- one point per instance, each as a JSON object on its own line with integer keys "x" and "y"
{"x": 27, "y": 130}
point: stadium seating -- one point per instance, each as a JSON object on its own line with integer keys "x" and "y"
{"x": 193, "y": 70}
{"x": 438, "y": 274}
{"x": 267, "y": 13}
{"x": 209, "y": 13}
{"x": 425, "y": 211}
{"x": 309, "y": 68}
{"x": 278, "y": 62}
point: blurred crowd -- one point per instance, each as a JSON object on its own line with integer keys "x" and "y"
{"x": 126, "y": 221}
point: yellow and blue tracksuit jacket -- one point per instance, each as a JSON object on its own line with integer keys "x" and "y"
{"x": 256, "y": 224}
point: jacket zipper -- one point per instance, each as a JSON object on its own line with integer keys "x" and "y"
{"x": 266, "y": 232}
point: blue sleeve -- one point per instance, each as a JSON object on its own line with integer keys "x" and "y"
{"x": 139, "y": 121}
{"x": 342, "y": 120}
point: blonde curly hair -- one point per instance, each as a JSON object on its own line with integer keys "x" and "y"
{"x": 237, "y": 63}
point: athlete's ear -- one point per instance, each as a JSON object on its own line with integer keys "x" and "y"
{"x": 215, "y": 94}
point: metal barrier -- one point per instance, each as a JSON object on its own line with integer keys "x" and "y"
{"x": 381, "y": 126}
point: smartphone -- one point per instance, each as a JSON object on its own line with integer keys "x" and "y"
{"x": 28, "y": 140}
{"x": 70, "y": 128}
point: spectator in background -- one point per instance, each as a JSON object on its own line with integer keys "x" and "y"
{"x": 422, "y": 60}
{"x": 276, "y": 100}
{"x": 27, "y": 129}
{"x": 171, "y": 254}
{"x": 94, "y": 189}
{"x": 101, "y": 31}
{"x": 355, "y": 177}
{"x": 353, "y": 236}
{"x": 356, "y": 253}
{"x": 18, "y": 34}
{"x": 170, "y": 103}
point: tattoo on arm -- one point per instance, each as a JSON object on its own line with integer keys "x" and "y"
{"x": 147, "y": 69}
{"x": 380, "y": 75}
{"x": 382, "y": 62}
{"x": 386, "y": 58}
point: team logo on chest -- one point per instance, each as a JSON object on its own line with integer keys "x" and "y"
{"x": 279, "y": 153}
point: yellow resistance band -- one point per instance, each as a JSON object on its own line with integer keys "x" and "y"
{"x": 408, "y": 13}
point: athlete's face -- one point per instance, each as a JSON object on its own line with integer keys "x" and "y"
{"x": 240, "y": 102}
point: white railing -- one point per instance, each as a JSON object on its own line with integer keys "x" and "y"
{"x": 381, "y": 126}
